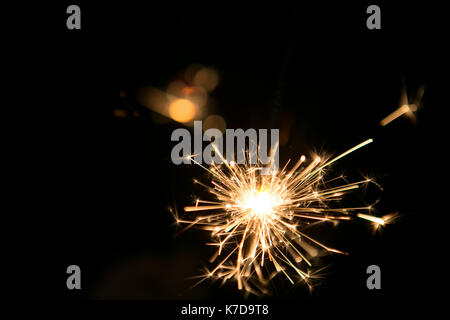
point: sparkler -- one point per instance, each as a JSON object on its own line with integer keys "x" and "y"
{"x": 257, "y": 222}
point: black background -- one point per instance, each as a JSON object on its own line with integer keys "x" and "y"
{"x": 112, "y": 178}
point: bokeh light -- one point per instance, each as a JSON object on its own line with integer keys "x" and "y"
{"x": 182, "y": 110}
{"x": 214, "y": 121}
{"x": 207, "y": 78}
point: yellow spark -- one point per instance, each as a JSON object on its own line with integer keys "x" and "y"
{"x": 257, "y": 221}
{"x": 405, "y": 108}
{"x": 377, "y": 220}
{"x": 394, "y": 115}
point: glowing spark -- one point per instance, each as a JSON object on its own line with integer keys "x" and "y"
{"x": 405, "y": 108}
{"x": 376, "y": 220}
{"x": 257, "y": 222}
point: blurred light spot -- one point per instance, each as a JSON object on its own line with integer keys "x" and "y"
{"x": 182, "y": 110}
{"x": 214, "y": 121}
{"x": 207, "y": 78}
{"x": 188, "y": 90}
{"x": 120, "y": 113}
{"x": 413, "y": 107}
{"x": 154, "y": 99}
{"x": 122, "y": 94}
{"x": 197, "y": 95}
{"x": 175, "y": 88}
{"x": 191, "y": 71}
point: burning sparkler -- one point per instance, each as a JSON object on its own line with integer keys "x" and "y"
{"x": 257, "y": 221}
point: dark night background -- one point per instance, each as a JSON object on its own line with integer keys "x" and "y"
{"x": 314, "y": 65}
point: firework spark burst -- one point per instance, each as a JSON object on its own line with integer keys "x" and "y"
{"x": 257, "y": 222}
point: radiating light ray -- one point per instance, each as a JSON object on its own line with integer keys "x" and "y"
{"x": 257, "y": 222}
